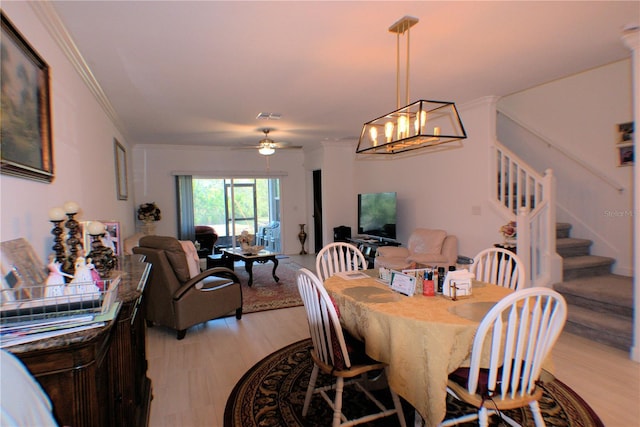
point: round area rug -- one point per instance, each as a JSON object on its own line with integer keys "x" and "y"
{"x": 272, "y": 393}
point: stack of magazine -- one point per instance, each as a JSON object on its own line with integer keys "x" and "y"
{"x": 36, "y": 318}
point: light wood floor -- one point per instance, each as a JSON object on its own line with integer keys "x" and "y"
{"x": 192, "y": 378}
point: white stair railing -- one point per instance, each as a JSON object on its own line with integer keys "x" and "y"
{"x": 527, "y": 197}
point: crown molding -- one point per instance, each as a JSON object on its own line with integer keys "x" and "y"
{"x": 50, "y": 19}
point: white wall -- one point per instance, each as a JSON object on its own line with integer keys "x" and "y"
{"x": 154, "y": 180}
{"x": 82, "y": 148}
{"x": 580, "y": 114}
{"x": 339, "y": 200}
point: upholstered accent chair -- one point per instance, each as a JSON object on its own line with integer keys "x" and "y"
{"x": 178, "y": 297}
{"x": 207, "y": 237}
{"x": 426, "y": 248}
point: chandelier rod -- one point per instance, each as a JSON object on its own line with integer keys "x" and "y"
{"x": 401, "y": 27}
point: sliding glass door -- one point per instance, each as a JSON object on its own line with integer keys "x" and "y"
{"x": 232, "y": 205}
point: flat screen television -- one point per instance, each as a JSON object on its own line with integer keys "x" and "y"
{"x": 377, "y": 214}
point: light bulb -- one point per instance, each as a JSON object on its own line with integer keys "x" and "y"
{"x": 388, "y": 130}
{"x": 373, "y": 134}
{"x": 403, "y": 127}
{"x": 423, "y": 117}
{"x": 436, "y": 131}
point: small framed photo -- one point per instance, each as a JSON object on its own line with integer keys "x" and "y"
{"x": 112, "y": 238}
{"x": 83, "y": 229}
{"x": 121, "y": 170}
{"x": 625, "y": 154}
{"x": 403, "y": 283}
{"x": 625, "y": 132}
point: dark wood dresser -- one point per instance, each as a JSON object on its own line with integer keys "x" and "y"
{"x": 99, "y": 377}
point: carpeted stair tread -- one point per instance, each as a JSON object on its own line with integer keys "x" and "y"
{"x": 608, "y": 289}
{"x": 570, "y": 246}
{"x": 586, "y": 266}
{"x": 601, "y": 327}
{"x": 563, "y": 229}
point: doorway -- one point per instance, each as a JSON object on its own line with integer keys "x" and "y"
{"x": 317, "y": 210}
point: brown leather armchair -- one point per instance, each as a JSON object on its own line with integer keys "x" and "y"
{"x": 174, "y": 299}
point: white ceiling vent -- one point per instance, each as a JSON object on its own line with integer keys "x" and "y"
{"x": 269, "y": 116}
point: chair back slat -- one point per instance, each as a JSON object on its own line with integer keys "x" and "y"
{"x": 324, "y": 325}
{"x": 337, "y": 257}
{"x": 520, "y": 332}
{"x": 500, "y": 267}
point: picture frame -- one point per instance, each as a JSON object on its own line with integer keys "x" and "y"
{"x": 27, "y": 143}
{"x": 111, "y": 239}
{"x": 625, "y": 154}
{"x": 83, "y": 229}
{"x": 403, "y": 283}
{"x": 625, "y": 133}
{"x": 120, "y": 154}
{"x": 21, "y": 271}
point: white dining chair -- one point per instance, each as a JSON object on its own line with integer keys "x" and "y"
{"x": 513, "y": 340}
{"x": 500, "y": 267}
{"x": 335, "y": 357}
{"x": 337, "y": 257}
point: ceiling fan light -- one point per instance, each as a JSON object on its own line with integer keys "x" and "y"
{"x": 266, "y": 150}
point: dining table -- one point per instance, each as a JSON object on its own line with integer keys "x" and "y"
{"x": 422, "y": 338}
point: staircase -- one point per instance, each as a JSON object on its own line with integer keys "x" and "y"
{"x": 600, "y": 304}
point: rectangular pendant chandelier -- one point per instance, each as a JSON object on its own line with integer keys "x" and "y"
{"x": 419, "y": 125}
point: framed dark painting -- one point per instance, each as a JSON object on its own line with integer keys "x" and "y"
{"x": 25, "y": 123}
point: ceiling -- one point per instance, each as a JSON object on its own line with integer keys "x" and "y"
{"x": 199, "y": 72}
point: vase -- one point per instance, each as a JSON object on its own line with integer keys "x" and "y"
{"x": 302, "y": 236}
{"x": 246, "y": 248}
{"x": 149, "y": 228}
{"x": 510, "y": 242}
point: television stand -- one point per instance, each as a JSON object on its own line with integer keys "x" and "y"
{"x": 369, "y": 245}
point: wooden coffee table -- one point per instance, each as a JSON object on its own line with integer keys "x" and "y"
{"x": 236, "y": 254}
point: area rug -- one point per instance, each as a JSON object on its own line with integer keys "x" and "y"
{"x": 272, "y": 393}
{"x": 265, "y": 293}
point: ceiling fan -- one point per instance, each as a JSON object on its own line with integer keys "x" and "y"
{"x": 268, "y": 146}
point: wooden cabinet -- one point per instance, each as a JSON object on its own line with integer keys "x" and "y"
{"x": 99, "y": 377}
{"x": 369, "y": 246}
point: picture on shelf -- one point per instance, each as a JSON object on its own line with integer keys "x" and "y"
{"x": 625, "y": 131}
{"x": 111, "y": 238}
{"x": 625, "y": 155}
